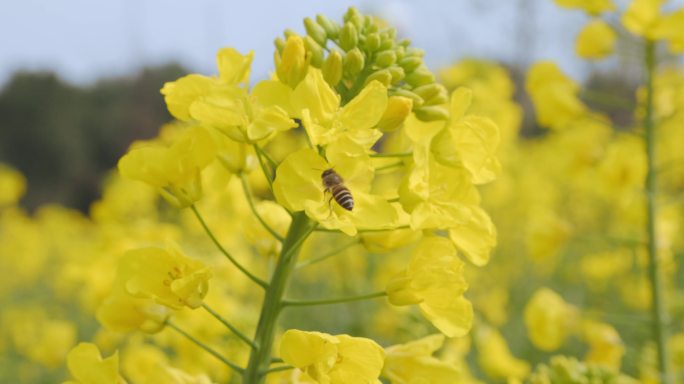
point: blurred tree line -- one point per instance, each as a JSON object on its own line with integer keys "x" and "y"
{"x": 66, "y": 138}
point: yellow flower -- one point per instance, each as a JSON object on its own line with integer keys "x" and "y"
{"x": 548, "y": 319}
{"x": 175, "y": 169}
{"x": 413, "y": 363}
{"x": 596, "y": 40}
{"x": 434, "y": 280}
{"x": 223, "y": 103}
{"x": 470, "y": 141}
{"x": 475, "y": 238}
{"x": 326, "y": 122}
{"x": 168, "y": 277}
{"x": 495, "y": 357}
{"x": 424, "y": 192}
{"x": 670, "y": 28}
{"x": 299, "y": 187}
{"x": 398, "y": 109}
{"x": 87, "y": 366}
{"x": 554, "y": 95}
{"x": 642, "y": 17}
{"x": 605, "y": 346}
{"x": 329, "y": 359}
{"x": 592, "y": 7}
{"x": 12, "y": 185}
{"x": 121, "y": 312}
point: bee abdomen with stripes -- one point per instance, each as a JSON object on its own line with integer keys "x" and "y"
{"x": 334, "y": 184}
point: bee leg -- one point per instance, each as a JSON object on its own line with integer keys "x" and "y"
{"x": 330, "y": 206}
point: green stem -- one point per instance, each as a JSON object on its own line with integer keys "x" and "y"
{"x": 224, "y": 251}
{"x": 339, "y": 300}
{"x": 404, "y": 154}
{"x": 260, "y": 358}
{"x": 277, "y": 369}
{"x": 607, "y": 99}
{"x": 369, "y": 230}
{"x": 248, "y": 195}
{"x": 229, "y": 326}
{"x": 211, "y": 351}
{"x": 332, "y": 253}
{"x": 660, "y": 315}
{"x": 267, "y": 174}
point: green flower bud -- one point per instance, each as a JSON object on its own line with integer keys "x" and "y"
{"x": 289, "y": 33}
{"x": 421, "y": 76}
{"x": 386, "y": 43}
{"x": 405, "y": 43}
{"x": 351, "y": 12}
{"x": 353, "y": 62}
{"x": 385, "y": 58}
{"x": 432, "y": 93}
{"x": 415, "y": 52}
{"x": 314, "y": 30}
{"x": 431, "y": 113}
{"x": 384, "y": 76}
{"x": 397, "y": 73}
{"x": 410, "y": 63}
{"x": 315, "y": 50}
{"x": 331, "y": 28}
{"x": 417, "y": 100}
{"x": 349, "y": 37}
{"x": 332, "y": 68}
{"x": 372, "y": 42}
{"x": 292, "y": 64}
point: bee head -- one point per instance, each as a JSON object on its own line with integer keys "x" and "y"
{"x": 327, "y": 172}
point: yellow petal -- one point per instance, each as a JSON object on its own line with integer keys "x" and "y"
{"x": 596, "y": 40}
{"x": 233, "y": 66}
{"x": 476, "y": 238}
{"x": 365, "y": 110}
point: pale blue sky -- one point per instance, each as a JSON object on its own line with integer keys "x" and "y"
{"x": 87, "y": 39}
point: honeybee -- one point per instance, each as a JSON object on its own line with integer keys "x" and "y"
{"x": 334, "y": 184}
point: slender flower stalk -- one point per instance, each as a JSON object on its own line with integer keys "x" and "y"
{"x": 260, "y": 357}
{"x": 661, "y": 318}
{"x": 248, "y": 195}
{"x": 239, "y": 266}
{"x": 228, "y": 325}
{"x": 308, "y": 303}
{"x": 325, "y": 256}
{"x": 205, "y": 347}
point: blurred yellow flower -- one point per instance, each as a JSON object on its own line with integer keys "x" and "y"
{"x": 413, "y": 363}
{"x": 434, "y": 280}
{"x": 87, "y": 366}
{"x": 548, "y": 319}
{"x": 596, "y": 40}
{"x": 328, "y": 359}
{"x": 592, "y": 7}
{"x": 605, "y": 345}
{"x": 495, "y": 357}
{"x": 12, "y": 185}
{"x": 554, "y": 95}
{"x": 642, "y": 17}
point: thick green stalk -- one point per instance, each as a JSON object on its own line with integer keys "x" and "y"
{"x": 659, "y": 307}
{"x": 260, "y": 358}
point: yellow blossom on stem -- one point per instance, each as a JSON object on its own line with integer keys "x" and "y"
{"x": 642, "y": 17}
{"x": 175, "y": 169}
{"x": 605, "y": 345}
{"x": 413, "y": 363}
{"x": 434, "y": 281}
{"x": 326, "y": 121}
{"x": 328, "y": 359}
{"x": 470, "y": 141}
{"x": 292, "y": 63}
{"x": 87, "y": 366}
{"x": 169, "y": 277}
{"x": 299, "y": 187}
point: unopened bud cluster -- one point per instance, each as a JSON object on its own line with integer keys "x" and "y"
{"x": 357, "y": 52}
